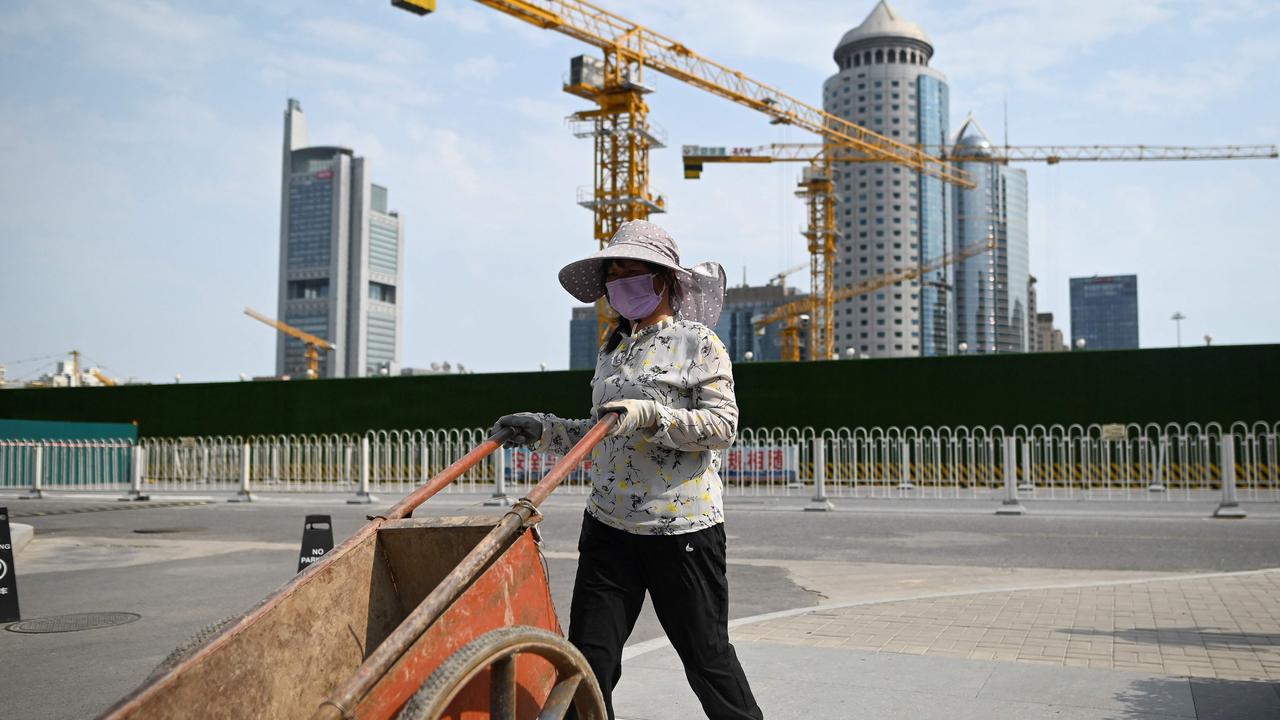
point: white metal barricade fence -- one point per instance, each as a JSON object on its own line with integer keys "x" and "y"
{"x": 1165, "y": 462}
{"x": 66, "y": 465}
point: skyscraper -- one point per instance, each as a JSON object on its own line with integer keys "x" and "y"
{"x": 584, "y": 343}
{"x": 992, "y": 303}
{"x": 1104, "y": 312}
{"x": 891, "y": 217}
{"x": 341, "y": 259}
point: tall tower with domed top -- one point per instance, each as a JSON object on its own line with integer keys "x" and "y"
{"x": 891, "y": 217}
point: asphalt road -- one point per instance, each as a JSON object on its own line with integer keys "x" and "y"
{"x": 178, "y": 574}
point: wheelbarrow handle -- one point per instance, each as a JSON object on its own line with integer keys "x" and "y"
{"x": 576, "y": 454}
{"x": 441, "y": 480}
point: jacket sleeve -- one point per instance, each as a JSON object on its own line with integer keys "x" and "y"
{"x": 560, "y": 435}
{"x": 712, "y": 422}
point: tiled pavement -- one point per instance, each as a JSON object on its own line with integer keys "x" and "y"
{"x": 1225, "y": 627}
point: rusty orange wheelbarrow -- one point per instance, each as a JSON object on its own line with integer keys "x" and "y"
{"x": 422, "y": 618}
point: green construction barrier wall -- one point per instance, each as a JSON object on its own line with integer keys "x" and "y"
{"x": 58, "y": 430}
{"x": 1200, "y": 384}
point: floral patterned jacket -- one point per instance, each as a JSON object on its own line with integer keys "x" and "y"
{"x": 663, "y": 480}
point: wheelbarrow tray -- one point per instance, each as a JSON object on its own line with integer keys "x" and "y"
{"x": 283, "y": 658}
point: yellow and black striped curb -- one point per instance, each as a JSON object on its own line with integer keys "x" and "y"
{"x": 106, "y": 508}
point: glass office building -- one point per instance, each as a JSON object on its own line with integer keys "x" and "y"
{"x": 743, "y": 306}
{"x": 1104, "y": 312}
{"x": 341, "y": 260}
{"x": 992, "y": 290}
{"x": 891, "y": 217}
{"x": 583, "y": 343}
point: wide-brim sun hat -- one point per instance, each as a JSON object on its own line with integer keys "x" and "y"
{"x": 701, "y": 286}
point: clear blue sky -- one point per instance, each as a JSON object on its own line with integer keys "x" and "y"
{"x": 139, "y": 188}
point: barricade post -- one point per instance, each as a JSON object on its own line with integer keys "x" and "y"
{"x": 904, "y": 457}
{"x": 1157, "y": 480}
{"x": 243, "y": 494}
{"x": 500, "y": 480}
{"x": 37, "y": 478}
{"x": 1229, "y": 507}
{"x": 1010, "y": 505}
{"x": 139, "y": 469}
{"x": 362, "y": 495}
{"x": 1027, "y": 483}
{"x": 819, "y": 502}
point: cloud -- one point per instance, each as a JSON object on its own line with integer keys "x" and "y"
{"x": 1192, "y": 86}
{"x": 483, "y": 67}
{"x": 360, "y": 39}
{"x": 1000, "y": 44}
{"x": 148, "y": 41}
{"x": 1226, "y": 12}
{"x": 539, "y": 110}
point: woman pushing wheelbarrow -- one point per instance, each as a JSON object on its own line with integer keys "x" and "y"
{"x": 654, "y": 521}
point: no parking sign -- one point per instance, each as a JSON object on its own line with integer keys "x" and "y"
{"x": 8, "y": 576}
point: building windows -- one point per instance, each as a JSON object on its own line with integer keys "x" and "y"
{"x": 307, "y": 289}
{"x": 382, "y": 292}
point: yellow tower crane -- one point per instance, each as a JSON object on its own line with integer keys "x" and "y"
{"x": 695, "y": 156}
{"x": 780, "y": 279}
{"x": 816, "y": 187}
{"x": 106, "y": 381}
{"x": 314, "y": 344}
{"x": 620, "y": 126}
{"x": 792, "y": 312}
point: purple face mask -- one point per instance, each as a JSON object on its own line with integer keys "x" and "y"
{"x": 633, "y": 297}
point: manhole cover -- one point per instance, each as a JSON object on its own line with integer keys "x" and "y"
{"x": 73, "y": 623}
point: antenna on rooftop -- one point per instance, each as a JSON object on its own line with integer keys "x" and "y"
{"x": 1006, "y": 124}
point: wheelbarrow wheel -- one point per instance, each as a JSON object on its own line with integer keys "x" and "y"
{"x": 497, "y": 650}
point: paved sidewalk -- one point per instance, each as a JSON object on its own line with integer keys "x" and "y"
{"x": 1203, "y": 646}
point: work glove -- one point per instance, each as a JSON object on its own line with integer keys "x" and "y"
{"x": 527, "y": 426}
{"x": 636, "y": 415}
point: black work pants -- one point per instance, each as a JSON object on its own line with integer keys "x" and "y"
{"x": 685, "y": 578}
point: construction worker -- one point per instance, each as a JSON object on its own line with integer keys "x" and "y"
{"x": 655, "y": 519}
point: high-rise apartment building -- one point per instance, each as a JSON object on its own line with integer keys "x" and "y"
{"x": 992, "y": 290}
{"x": 341, "y": 260}
{"x": 891, "y": 217}
{"x": 1104, "y": 312}
{"x": 1048, "y": 338}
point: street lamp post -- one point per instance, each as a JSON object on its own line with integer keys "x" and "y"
{"x": 1177, "y": 319}
{"x": 1080, "y": 343}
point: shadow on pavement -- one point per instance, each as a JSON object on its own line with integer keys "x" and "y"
{"x": 1182, "y": 636}
{"x": 1212, "y": 699}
